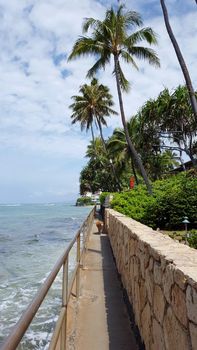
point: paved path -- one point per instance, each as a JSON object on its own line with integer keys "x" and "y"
{"x": 102, "y": 322}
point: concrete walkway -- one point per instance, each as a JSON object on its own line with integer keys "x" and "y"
{"x": 102, "y": 322}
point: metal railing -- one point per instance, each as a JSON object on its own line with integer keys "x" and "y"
{"x": 58, "y": 341}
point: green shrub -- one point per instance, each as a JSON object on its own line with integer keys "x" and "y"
{"x": 192, "y": 239}
{"x": 102, "y": 197}
{"x": 132, "y": 203}
{"x": 173, "y": 198}
{"x": 82, "y": 201}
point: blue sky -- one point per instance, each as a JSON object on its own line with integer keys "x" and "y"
{"x": 41, "y": 153}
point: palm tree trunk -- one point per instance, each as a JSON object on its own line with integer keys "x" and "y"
{"x": 181, "y": 159}
{"x": 101, "y": 133}
{"x": 180, "y": 59}
{"x": 130, "y": 144}
{"x": 134, "y": 172}
{"x": 92, "y": 132}
{"x": 190, "y": 155}
{"x": 104, "y": 146}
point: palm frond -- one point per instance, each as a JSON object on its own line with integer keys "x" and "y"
{"x": 124, "y": 83}
{"x": 146, "y": 34}
{"x": 132, "y": 18}
{"x": 85, "y": 46}
{"x": 145, "y": 53}
{"x": 128, "y": 58}
{"x": 100, "y": 63}
{"x": 89, "y": 23}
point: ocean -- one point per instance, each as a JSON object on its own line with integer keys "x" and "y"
{"x": 32, "y": 237}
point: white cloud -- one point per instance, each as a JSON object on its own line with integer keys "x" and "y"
{"x": 35, "y": 86}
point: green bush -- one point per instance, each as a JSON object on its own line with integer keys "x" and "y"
{"x": 82, "y": 201}
{"x": 192, "y": 239}
{"x": 173, "y": 198}
{"x": 102, "y": 197}
{"x": 133, "y": 203}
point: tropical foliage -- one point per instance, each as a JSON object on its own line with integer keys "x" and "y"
{"x": 93, "y": 105}
{"x": 84, "y": 201}
{"x": 163, "y": 132}
{"x": 169, "y": 118}
{"x": 149, "y": 145}
{"x": 173, "y": 198}
{"x": 115, "y": 37}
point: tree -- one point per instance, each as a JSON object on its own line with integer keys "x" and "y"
{"x": 93, "y": 105}
{"x": 96, "y": 175}
{"x": 167, "y": 118}
{"x": 113, "y": 37}
{"x": 156, "y": 161}
{"x": 177, "y": 121}
{"x": 118, "y": 146}
{"x": 180, "y": 59}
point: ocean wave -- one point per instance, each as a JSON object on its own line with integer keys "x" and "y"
{"x": 4, "y": 238}
{"x": 10, "y": 205}
{"x": 32, "y": 241}
{"x": 37, "y": 236}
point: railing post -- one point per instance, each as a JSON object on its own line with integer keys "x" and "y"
{"x": 64, "y": 304}
{"x": 78, "y": 262}
{"x": 65, "y": 283}
{"x": 63, "y": 332}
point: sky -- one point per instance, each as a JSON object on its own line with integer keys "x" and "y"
{"x": 41, "y": 152}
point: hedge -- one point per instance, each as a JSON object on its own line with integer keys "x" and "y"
{"x": 172, "y": 199}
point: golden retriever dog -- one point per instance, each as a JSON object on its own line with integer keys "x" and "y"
{"x": 99, "y": 225}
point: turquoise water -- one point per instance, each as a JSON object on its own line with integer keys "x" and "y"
{"x": 32, "y": 237}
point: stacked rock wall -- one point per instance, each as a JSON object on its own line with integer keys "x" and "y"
{"x": 160, "y": 277}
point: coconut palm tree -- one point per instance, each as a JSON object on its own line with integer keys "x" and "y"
{"x": 92, "y": 105}
{"x": 180, "y": 59}
{"x": 118, "y": 146}
{"x": 115, "y": 37}
{"x": 101, "y": 175}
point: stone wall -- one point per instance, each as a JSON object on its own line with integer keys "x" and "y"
{"x": 160, "y": 277}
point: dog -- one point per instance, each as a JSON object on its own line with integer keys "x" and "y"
{"x": 99, "y": 225}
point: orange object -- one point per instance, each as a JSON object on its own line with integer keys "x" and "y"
{"x": 132, "y": 182}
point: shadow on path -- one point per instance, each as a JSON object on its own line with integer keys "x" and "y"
{"x": 122, "y": 332}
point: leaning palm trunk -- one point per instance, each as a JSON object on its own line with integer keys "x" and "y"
{"x": 130, "y": 144}
{"x": 101, "y": 133}
{"x": 180, "y": 59}
{"x": 134, "y": 172}
{"x": 105, "y": 149}
{"x": 92, "y": 132}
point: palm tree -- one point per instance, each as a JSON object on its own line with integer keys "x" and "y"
{"x": 101, "y": 176}
{"x": 180, "y": 59}
{"x": 93, "y": 105}
{"x": 177, "y": 121}
{"x": 118, "y": 146}
{"x": 113, "y": 37}
{"x": 96, "y": 152}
